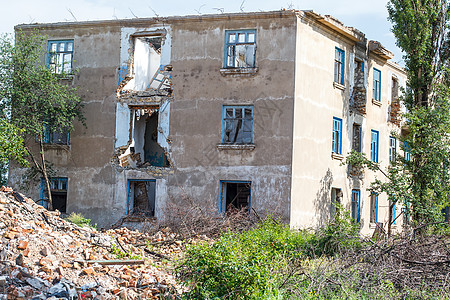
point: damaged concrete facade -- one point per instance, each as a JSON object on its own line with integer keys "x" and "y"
{"x": 220, "y": 111}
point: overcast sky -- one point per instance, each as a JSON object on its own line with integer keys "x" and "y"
{"x": 368, "y": 16}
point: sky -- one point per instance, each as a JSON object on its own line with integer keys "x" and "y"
{"x": 369, "y": 16}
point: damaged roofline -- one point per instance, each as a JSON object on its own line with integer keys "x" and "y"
{"x": 163, "y": 20}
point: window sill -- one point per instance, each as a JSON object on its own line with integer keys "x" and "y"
{"x": 338, "y": 86}
{"x": 57, "y": 146}
{"x": 376, "y": 102}
{"x": 337, "y": 156}
{"x": 236, "y": 147}
{"x": 239, "y": 71}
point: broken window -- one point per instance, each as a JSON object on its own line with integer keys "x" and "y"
{"x": 356, "y": 142}
{"x": 237, "y": 124}
{"x": 356, "y": 205}
{"x": 145, "y": 149}
{"x": 373, "y": 208}
{"x": 58, "y": 189}
{"x": 336, "y": 200}
{"x": 339, "y": 66}
{"x": 60, "y": 56}
{"x": 240, "y": 48}
{"x": 141, "y": 197}
{"x": 235, "y": 195}
{"x": 58, "y": 137}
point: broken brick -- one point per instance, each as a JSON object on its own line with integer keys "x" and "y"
{"x": 22, "y": 245}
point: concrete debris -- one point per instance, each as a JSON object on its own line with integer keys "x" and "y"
{"x": 43, "y": 256}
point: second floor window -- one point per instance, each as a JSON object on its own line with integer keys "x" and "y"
{"x": 407, "y": 152}
{"x": 392, "y": 149}
{"x": 376, "y": 84}
{"x": 339, "y": 66}
{"x": 59, "y": 137}
{"x": 356, "y": 143}
{"x": 374, "y": 146}
{"x": 237, "y": 124}
{"x": 336, "y": 146}
{"x": 240, "y": 48}
{"x": 60, "y": 56}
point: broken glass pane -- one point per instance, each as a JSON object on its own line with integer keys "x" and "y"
{"x": 229, "y": 112}
{"x": 61, "y": 47}
{"x": 69, "y": 46}
{"x": 238, "y": 113}
{"x": 232, "y": 38}
{"x": 67, "y": 63}
{"x": 53, "y": 47}
{"x": 251, "y": 38}
{"x": 248, "y": 113}
{"x": 241, "y": 37}
{"x": 245, "y": 56}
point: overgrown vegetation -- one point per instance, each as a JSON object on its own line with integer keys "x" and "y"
{"x": 80, "y": 220}
{"x": 261, "y": 263}
{"x": 271, "y": 261}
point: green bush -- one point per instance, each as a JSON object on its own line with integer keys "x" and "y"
{"x": 80, "y": 220}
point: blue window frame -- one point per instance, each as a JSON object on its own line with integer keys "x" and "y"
{"x": 149, "y": 188}
{"x": 237, "y": 124}
{"x": 58, "y": 189}
{"x": 392, "y": 149}
{"x": 394, "y": 213}
{"x": 407, "y": 151}
{"x": 336, "y": 145}
{"x": 374, "y": 136}
{"x": 240, "y": 48}
{"x": 376, "y": 84}
{"x": 60, "y": 56}
{"x": 234, "y": 194}
{"x": 373, "y": 208}
{"x": 339, "y": 66}
{"x": 356, "y": 205}
{"x": 59, "y": 137}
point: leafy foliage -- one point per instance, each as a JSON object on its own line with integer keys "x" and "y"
{"x": 258, "y": 263}
{"x": 80, "y": 220}
{"x": 34, "y": 100}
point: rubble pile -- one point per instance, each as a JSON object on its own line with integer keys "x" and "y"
{"x": 43, "y": 256}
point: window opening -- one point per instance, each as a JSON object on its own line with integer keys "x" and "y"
{"x": 141, "y": 197}
{"x": 237, "y": 124}
{"x": 374, "y": 146}
{"x": 235, "y": 195}
{"x": 356, "y": 205}
{"x": 356, "y": 142}
{"x": 376, "y": 84}
{"x": 336, "y": 200}
{"x": 339, "y": 66}
{"x": 373, "y": 208}
{"x": 240, "y": 48}
{"x": 60, "y": 56}
{"x": 58, "y": 190}
{"x": 337, "y": 136}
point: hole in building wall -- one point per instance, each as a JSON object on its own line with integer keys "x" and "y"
{"x": 58, "y": 190}
{"x": 141, "y": 197}
{"x": 235, "y": 195}
{"x": 336, "y": 201}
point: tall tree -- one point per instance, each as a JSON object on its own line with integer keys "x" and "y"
{"x": 421, "y": 179}
{"x": 39, "y": 99}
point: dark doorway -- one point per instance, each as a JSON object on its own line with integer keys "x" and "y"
{"x": 235, "y": 195}
{"x": 141, "y": 197}
{"x": 58, "y": 189}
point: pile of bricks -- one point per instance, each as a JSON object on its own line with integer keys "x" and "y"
{"x": 43, "y": 256}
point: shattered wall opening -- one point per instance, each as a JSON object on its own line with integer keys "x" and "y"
{"x": 395, "y": 107}
{"x": 141, "y": 197}
{"x": 58, "y": 190}
{"x": 145, "y": 149}
{"x": 235, "y": 195}
{"x": 358, "y": 97}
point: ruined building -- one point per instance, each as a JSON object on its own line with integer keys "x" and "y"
{"x": 242, "y": 110}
